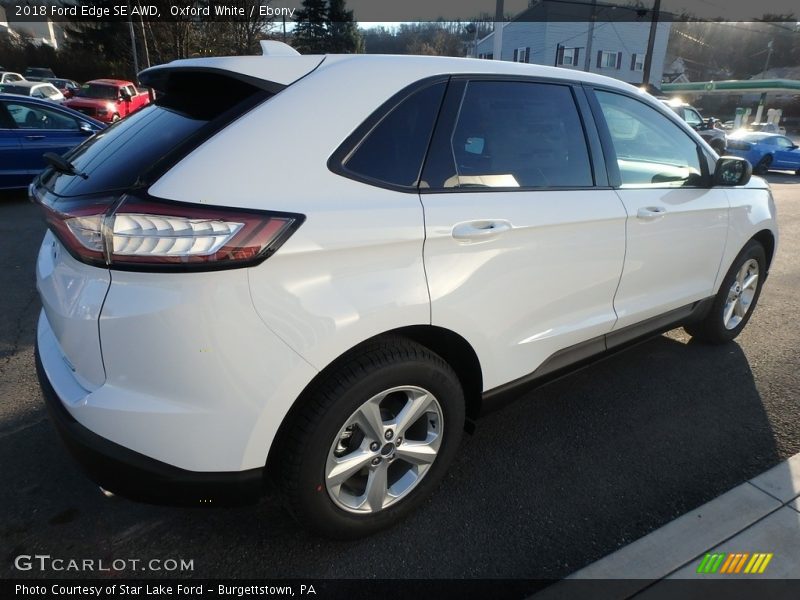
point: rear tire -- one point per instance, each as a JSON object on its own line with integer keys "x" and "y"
{"x": 763, "y": 165}
{"x": 393, "y": 414}
{"x": 737, "y": 297}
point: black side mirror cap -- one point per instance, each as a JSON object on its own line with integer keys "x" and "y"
{"x": 732, "y": 171}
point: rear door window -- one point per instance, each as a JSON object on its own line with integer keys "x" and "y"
{"x": 393, "y": 151}
{"x": 518, "y": 134}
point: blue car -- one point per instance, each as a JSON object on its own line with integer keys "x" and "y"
{"x": 30, "y": 127}
{"x": 765, "y": 151}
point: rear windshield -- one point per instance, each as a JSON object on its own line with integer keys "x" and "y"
{"x": 186, "y": 112}
{"x": 98, "y": 91}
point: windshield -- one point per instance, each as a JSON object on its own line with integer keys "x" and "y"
{"x": 98, "y": 91}
{"x": 50, "y": 91}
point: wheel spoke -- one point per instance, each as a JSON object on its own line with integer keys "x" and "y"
{"x": 418, "y": 453}
{"x": 741, "y": 274}
{"x": 377, "y": 486}
{"x": 738, "y": 308}
{"x": 750, "y": 281}
{"x": 347, "y": 466}
{"x": 729, "y": 308}
{"x": 411, "y": 412}
{"x": 369, "y": 419}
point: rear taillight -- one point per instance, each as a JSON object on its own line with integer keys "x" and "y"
{"x": 150, "y": 234}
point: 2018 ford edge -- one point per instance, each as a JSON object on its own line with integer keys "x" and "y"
{"x": 321, "y": 269}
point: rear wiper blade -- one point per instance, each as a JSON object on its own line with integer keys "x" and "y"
{"x": 62, "y": 165}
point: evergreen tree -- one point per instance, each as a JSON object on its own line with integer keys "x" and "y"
{"x": 310, "y": 34}
{"x": 343, "y": 30}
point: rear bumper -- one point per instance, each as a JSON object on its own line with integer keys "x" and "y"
{"x": 138, "y": 477}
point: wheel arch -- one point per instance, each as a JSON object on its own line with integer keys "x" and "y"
{"x": 452, "y": 347}
{"x": 767, "y": 239}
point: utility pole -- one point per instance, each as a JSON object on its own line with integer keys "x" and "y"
{"x": 144, "y": 43}
{"x": 587, "y": 60}
{"x": 651, "y": 42}
{"x": 769, "y": 55}
{"x": 498, "y": 30}
{"x": 134, "y": 51}
{"x": 762, "y": 101}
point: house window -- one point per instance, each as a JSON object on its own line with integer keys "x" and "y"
{"x": 486, "y": 55}
{"x": 522, "y": 55}
{"x": 568, "y": 56}
{"x": 637, "y": 62}
{"x": 609, "y": 60}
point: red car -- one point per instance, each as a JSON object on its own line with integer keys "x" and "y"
{"x": 108, "y": 100}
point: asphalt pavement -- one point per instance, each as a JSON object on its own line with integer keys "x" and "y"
{"x": 564, "y": 476}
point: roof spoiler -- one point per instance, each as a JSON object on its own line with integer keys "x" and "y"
{"x": 274, "y": 48}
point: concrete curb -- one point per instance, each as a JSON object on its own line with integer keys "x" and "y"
{"x": 760, "y": 515}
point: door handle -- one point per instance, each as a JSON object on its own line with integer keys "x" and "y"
{"x": 34, "y": 137}
{"x": 479, "y": 231}
{"x": 650, "y": 213}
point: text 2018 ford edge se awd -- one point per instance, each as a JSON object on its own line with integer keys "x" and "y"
{"x": 321, "y": 268}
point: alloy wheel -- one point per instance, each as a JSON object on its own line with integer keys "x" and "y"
{"x": 384, "y": 449}
{"x": 741, "y": 294}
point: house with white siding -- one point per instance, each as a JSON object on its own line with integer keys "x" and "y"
{"x": 616, "y": 48}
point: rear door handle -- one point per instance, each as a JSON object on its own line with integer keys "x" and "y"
{"x": 650, "y": 213}
{"x": 34, "y": 137}
{"x": 479, "y": 231}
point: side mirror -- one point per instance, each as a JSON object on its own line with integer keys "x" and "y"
{"x": 731, "y": 171}
{"x": 86, "y": 129}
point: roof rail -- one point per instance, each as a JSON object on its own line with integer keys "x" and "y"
{"x": 274, "y": 48}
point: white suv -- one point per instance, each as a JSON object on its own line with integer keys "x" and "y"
{"x": 321, "y": 269}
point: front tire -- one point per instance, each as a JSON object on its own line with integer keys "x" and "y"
{"x": 737, "y": 297}
{"x": 372, "y": 440}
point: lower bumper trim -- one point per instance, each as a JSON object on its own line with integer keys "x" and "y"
{"x": 139, "y": 477}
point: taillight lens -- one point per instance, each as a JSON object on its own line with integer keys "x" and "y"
{"x": 156, "y": 234}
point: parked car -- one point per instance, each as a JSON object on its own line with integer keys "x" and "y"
{"x": 766, "y": 151}
{"x": 29, "y": 127}
{"x": 68, "y": 87}
{"x": 10, "y": 77}
{"x": 38, "y": 73}
{"x": 711, "y": 129}
{"x": 34, "y": 89}
{"x": 230, "y": 294}
{"x": 108, "y": 100}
